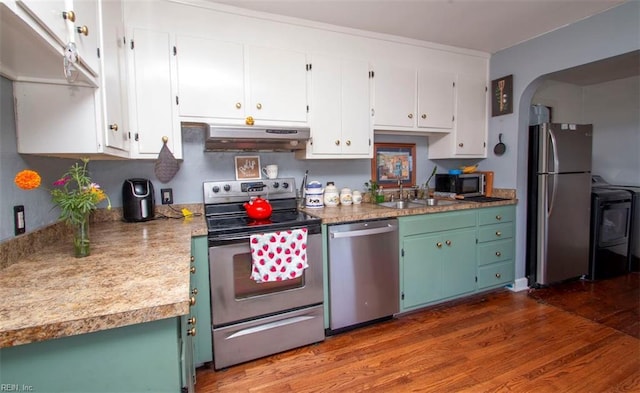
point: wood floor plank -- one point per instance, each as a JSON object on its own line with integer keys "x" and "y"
{"x": 495, "y": 342}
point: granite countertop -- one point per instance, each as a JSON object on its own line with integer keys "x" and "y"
{"x": 137, "y": 272}
{"x": 370, "y": 211}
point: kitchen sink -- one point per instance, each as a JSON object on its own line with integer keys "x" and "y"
{"x": 416, "y": 203}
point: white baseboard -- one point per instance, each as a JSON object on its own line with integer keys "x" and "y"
{"x": 520, "y": 284}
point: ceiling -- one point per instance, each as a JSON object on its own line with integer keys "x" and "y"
{"x": 483, "y": 25}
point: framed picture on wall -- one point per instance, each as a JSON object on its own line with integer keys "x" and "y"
{"x": 392, "y": 162}
{"x": 502, "y": 96}
{"x": 248, "y": 167}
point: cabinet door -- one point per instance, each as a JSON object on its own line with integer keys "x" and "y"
{"x": 277, "y": 84}
{"x": 459, "y": 263}
{"x": 326, "y": 106}
{"x": 340, "y": 107}
{"x": 203, "y": 349}
{"x": 86, "y": 32}
{"x": 422, "y": 270}
{"x": 471, "y": 116}
{"x": 435, "y": 99}
{"x": 395, "y": 96}
{"x": 152, "y": 108}
{"x": 113, "y": 74}
{"x": 357, "y": 132}
{"x": 49, "y": 14}
{"x": 210, "y": 78}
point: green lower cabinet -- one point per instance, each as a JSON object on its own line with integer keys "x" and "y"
{"x": 496, "y": 247}
{"x": 449, "y": 255}
{"x": 437, "y": 258}
{"x": 138, "y": 358}
{"x": 201, "y": 310}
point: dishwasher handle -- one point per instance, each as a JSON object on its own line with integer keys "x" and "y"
{"x": 364, "y": 232}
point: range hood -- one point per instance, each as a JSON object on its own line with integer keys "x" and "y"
{"x": 256, "y": 138}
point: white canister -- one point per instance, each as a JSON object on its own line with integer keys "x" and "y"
{"x": 357, "y": 197}
{"x": 313, "y": 195}
{"x": 331, "y": 195}
{"x": 346, "y": 197}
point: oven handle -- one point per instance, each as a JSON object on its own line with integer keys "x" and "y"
{"x": 270, "y": 325}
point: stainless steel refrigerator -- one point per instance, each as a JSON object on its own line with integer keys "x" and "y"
{"x": 558, "y": 202}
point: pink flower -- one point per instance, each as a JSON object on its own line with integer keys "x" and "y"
{"x": 62, "y": 181}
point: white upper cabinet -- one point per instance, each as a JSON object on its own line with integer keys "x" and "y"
{"x": 277, "y": 84}
{"x": 210, "y": 78}
{"x": 395, "y": 96}
{"x": 78, "y": 121}
{"x": 435, "y": 99}
{"x": 468, "y": 140}
{"x": 113, "y": 76}
{"x": 340, "y": 109}
{"x": 153, "y": 113}
{"x": 227, "y": 82}
{"x": 410, "y": 99}
{"x": 70, "y": 21}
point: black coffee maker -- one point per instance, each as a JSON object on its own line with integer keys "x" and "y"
{"x": 137, "y": 200}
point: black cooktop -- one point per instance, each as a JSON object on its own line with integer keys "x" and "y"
{"x": 236, "y": 224}
{"x": 484, "y": 199}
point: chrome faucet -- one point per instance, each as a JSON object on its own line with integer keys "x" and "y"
{"x": 400, "y": 189}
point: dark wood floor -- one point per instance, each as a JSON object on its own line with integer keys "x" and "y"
{"x": 500, "y": 342}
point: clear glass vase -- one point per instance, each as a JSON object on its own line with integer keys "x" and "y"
{"x": 81, "y": 241}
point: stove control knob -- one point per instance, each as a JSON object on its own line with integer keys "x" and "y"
{"x": 276, "y": 185}
{"x": 215, "y": 189}
{"x": 227, "y": 187}
{"x": 285, "y": 185}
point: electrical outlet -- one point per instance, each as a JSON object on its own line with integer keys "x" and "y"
{"x": 167, "y": 196}
{"x": 19, "y": 224}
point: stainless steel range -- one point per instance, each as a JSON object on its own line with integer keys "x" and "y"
{"x": 252, "y": 319}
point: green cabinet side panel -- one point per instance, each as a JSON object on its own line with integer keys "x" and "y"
{"x": 203, "y": 349}
{"x": 137, "y": 358}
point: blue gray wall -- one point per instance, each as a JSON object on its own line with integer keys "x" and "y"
{"x": 608, "y": 34}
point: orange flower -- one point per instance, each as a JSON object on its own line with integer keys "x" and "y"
{"x": 27, "y": 179}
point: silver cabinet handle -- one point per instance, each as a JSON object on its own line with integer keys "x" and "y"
{"x": 363, "y": 232}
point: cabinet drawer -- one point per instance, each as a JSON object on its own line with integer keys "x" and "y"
{"x": 427, "y": 223}
{"x": 497, "y": 274}
{"x": 495, "y": 232}
{"x": 497, "y": 251}
{"x": 496, "y": 215}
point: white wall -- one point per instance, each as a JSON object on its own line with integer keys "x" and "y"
{"x": 614, "y": 110}
{"x": 608, "y": 34}
{"x": 565, "y": 100}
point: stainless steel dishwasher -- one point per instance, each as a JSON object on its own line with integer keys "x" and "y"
{"x": 363, "y": 273}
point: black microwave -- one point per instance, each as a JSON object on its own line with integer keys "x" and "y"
{"x": 469, "y": 184}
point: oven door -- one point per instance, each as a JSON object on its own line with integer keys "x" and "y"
{"x": 236, "y": 297}
{"x": 614, "y": 223}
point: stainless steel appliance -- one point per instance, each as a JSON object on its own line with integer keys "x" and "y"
{"x": 363, "y": 273}
{"x": 634, "y": 230}
{"x": 558, "y": 202}
{"x": 138, "y": 202}
{"x": 470, "y": 184}
{"x": 250, "y": 319}
{"x": 255, "y": 138}
{"x": 610, "y": 230}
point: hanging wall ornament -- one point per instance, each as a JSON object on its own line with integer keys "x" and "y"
{"x": 166, "y": 165}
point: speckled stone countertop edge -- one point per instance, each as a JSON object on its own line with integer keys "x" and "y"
{"x": 140, "y": 274}
{"x": 371, "y": 211}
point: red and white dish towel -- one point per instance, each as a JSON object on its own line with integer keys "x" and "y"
{"x": 278, "y": 256}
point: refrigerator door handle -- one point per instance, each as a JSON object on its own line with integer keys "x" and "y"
{"x": 553, "y": 173}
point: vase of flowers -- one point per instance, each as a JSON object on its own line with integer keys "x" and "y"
{"x": 76, "y": 196}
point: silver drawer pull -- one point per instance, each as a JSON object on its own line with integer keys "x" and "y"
{"x": 498, "y": 275}
{"x": 498, "y": 217}
{"x": 498, "y": 253}
{"x": 498, "y": 233}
